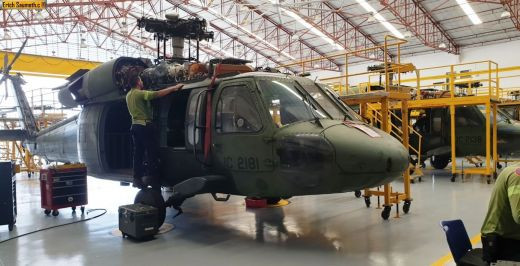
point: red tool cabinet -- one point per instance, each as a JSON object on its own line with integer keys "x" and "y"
{"x": 63, "y": 186}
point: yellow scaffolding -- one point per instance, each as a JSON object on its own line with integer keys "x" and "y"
{"x": 488, "y": 94}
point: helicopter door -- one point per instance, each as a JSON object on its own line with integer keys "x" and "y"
{"x": 241, "y": 142}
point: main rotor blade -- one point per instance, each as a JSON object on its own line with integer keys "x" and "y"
{"x": 17, "y": 55}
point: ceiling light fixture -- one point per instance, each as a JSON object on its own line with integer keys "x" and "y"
{"x": 83, "y": 44}
{"x": 407, "y": 34}
{"x": 466, "y": 7}
{"x": 380, "y": 18}
{"x": 442, "y": 45}
{"x": 505, "y": 14}
{"x": 7, "y": 36}
{"x": 124, "y": 28}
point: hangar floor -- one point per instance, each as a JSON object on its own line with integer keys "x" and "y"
{"x": 315, "y": 230}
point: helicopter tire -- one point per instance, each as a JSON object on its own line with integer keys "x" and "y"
{"x": 367, "y": 202}
{"x": 439, "y": 162}
{"x": 357, "y": 193}
{"x": 154, "y": 198}
{"x": 453, "y": 177}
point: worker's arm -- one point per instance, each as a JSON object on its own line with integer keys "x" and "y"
{"x": 513, "y": 193}
{"x": 169, "y": 90}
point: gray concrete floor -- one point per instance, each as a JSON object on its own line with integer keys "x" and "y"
{"x": 314, "y": 230}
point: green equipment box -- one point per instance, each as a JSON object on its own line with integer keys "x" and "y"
{"x": 138, "y": 220}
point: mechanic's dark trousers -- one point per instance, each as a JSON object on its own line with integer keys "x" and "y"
{"x": 144, "y": 142}
{"x": 498, "y": 248}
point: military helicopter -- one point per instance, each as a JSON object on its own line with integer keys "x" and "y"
{"x": 231, "y": 130}
{"x": 434, "y": 126}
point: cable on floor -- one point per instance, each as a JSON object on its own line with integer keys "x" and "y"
{"x": 59, "y": 225}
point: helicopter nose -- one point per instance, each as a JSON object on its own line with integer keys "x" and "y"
{"x": 367, "y": 152}
{"x": 508, "y": 139}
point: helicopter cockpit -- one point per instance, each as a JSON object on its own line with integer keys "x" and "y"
{"x": 290, "y": 101}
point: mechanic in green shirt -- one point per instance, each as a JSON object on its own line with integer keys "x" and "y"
{"x": 501, "y": 228}
{"x": 140, "y": 108}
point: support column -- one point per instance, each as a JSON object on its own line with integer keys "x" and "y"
{"x": 385, "y": 127}
{"x": 406, "y": 144}
{"x": 453, "y": 141}
{"x": 495, "y": 139}
{"x": 488, "y": 136}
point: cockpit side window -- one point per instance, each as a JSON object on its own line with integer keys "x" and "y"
{"x": 467, "y": 117}
{"x": 236, "y": 111}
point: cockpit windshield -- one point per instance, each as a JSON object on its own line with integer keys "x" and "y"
{"x": 289, "y": 101}
{"x": 501, "y": 115}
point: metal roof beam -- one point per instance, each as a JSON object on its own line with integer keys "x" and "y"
{"x": 286, "y": 30}
{"x": 421, "y": 23}
{"x": 512, "y": 6}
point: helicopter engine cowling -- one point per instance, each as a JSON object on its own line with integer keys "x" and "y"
{"x": 106, "y": 82}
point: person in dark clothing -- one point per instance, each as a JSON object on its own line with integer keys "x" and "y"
{"x": 139, "y": 105}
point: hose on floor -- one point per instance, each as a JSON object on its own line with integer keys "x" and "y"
{"x": 60, "y": 225}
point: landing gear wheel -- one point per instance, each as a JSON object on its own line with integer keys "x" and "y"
{"x": 420, "y": 179}
{"x": 151, "y": 197}
{"x": 82, "y": 209}
{"x": 412, "y": 170}
{"x": 488, "y": 179}
{"x": 73, "y": 209}
{"x": 406, "y": 206}
{"x": 29, "y": 175}
{"x": 367, "y": 202}
{"x": 11, "y": 226}
{"x": 47, "y": 212}
{"x": 439, "y": 162}
{"x": 273, "y": 201}
{"x": 453, "y": 177}
{"x": 499, "y": 166}
{"x": 357, "y": 193}
{"x": 412, "y": 181}
{"x": 55, "y": 213}
{"x": 385, "y": 214}
{"x": 495, "y": 175}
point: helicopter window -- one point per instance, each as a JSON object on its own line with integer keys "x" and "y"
{"x": 285, "y": 103}
{"x": 195, "y": 107}
{"x": 467, "y": 117}
{"x": 324, "y": 100}
{"x": 236, "y": 111}
{"x": 350, "y": 114}
{"x": 501, "y": 115}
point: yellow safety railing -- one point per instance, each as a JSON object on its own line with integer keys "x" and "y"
{"x": 396, "y": 130}
{"x": 391, "y": 42}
